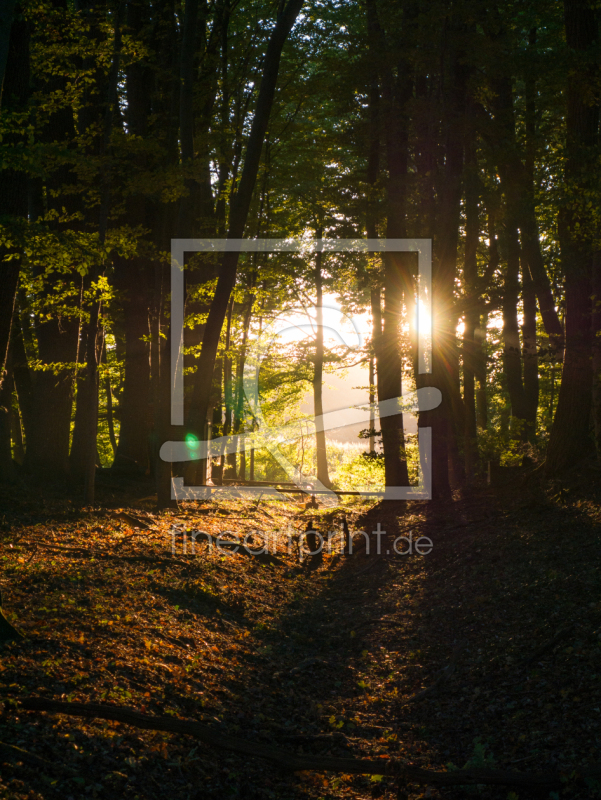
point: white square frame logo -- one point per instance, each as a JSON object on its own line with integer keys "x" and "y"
{"x": 423, "y": 399}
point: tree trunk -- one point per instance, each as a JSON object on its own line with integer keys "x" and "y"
{"x": 95, "y": 332}
{"x": 7, "y": 9}
{"x": 7, "y": 471}
{"x": 216, "y": 401}
{"x": 570, "y": 435}
{"x": 596, "y": 334}
{"x": 49, "y": 425}
{"x": 398, "y": 282}
{"x": 372, "y": 400}
{"x": 320, "y": 435}
{"x": 445, "y": 420}
{"x": 512, "y": 352}
{"x": 131, "y": 279}
{"x": 228, "y": 396}
{"x": 238, "y": 215}
{"x": 472, "y": 314}
{"x": 13, "y": 198}
{"x": 529, "y": 353}
{"x": 239, "y": 399}
{"x": 519, "y": 195}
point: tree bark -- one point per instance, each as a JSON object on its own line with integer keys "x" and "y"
{"x": 7, "y": 9}
{"x": 398, "y": 281}
{"x": 320, "y": 435}
{"x": 7, "y": 470}
{"x": 596, "y": 334}
{"x": 13, "y": 198}
{"x": 529, "y": 353}
{"x": 512, "y": 353}
{"x": 472, "y": 313}
{"x": 95, "y": 332}
{"x": 446, "y": 420}
{"x": 131, "y": 278}
{"x": 570, "y": 437}
{"x": 519, "y": 195}
{"x": 238, "y": 215}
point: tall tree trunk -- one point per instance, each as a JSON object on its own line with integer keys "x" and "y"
{"x": 13, "y": 197}
{"x": 481, "y": 357}
{"x": 373, "y": 170}
{"x": 519, "y": 195}
{"x": 320, "y": 435}
{"x": 131, "y": 278}
{"x": 95, "y": 332}
{"x": 238, "y": 215}
{"x": 529, "y": 353}
{"x": 7, "y": 470}
{"x": 47, "y": 455}
{"x": 512, "y": 352}
{"x": 228, "y": 394}
{"x": 372, "y": 400}
{"x": 596, "y": 334}
{"x": 217, "y": 417}
{"x": 472, "y": 312}
{"x": 447, "y": 418}
{"x": 239, "y": 395}
{"x": 186, "y": 115}
{"x": 570, "y": 435}
{"x": 7, "y": 9}
{"x": 49, "y": 424}
{"x": 398, "y": 282}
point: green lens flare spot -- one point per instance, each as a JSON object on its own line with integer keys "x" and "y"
{"x": 191, "y": 441}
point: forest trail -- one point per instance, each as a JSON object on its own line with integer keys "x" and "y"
{"x": 325, "y": 657}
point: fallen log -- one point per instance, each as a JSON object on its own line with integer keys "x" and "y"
{"x": 375, "y": 766}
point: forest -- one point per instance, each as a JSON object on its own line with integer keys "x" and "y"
{"x": 300, "y": 398}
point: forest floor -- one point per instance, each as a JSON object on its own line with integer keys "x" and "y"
{"x": 317, "y": 657}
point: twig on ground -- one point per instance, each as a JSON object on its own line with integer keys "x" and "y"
{"x": 378, "y": 766}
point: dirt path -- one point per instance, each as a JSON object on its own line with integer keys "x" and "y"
{"x": 329, "y": 656}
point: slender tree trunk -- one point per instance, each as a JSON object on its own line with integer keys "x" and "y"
{"x": 13, "y": 197}
{"x": 447, "y": 418}
{"x": 398, "y": 283}
{"x": 373, "y": 170}
{"x": 110, "y": 419}
{"x": 47, "y": 454}
{"x": 17, "y": 434}
{"x": 372, "y": 400}
{"x": 320, "y": 435}
{"x": 77, "y": 455}
{"x": 7, "y": 9}
{"x": 570, "y": 435}
{"x": 238, "y": 215}
{"x": 519, "y": 195}
{"x": 529, "y": 343}
{"x": 472, "y": 314}
{"x": 186, "y": 116}
{"x": 529, "y": 353}
{"x": 7, "y": 471}
{"x": 228, "y": 395}
{"x": 131, "y": 278}
{"x": 512, "y": 352}
{"x": 239, "y": 400}
{"x": 481, "y": 372}
{"x": 481, "y": 357}
{"x": 95, "y": 331}
{"x": 596, "y": 334}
